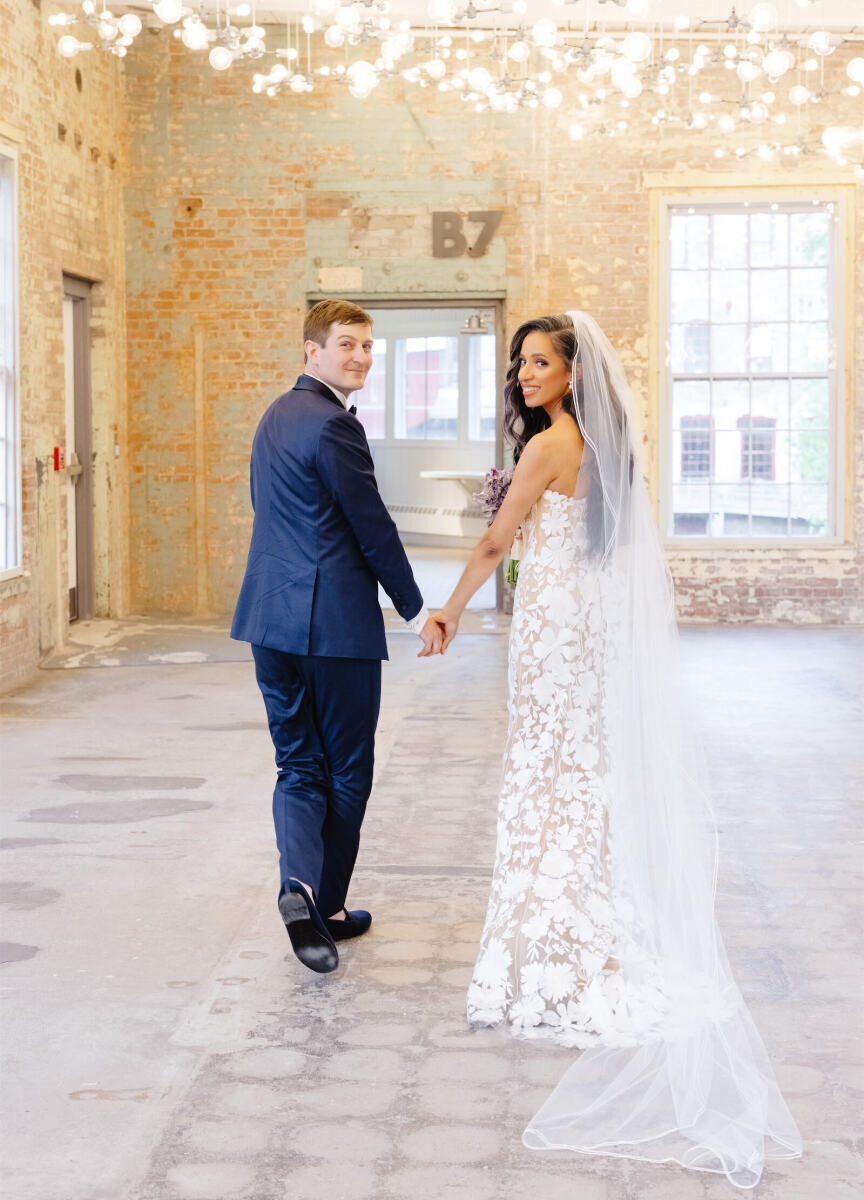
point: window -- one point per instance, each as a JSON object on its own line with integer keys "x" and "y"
{"x": 374, "y": 414}
{"x": 427, "y": 388}
{"x": 10, "y": 487}
{"x": 758, "y": 443}
{"x": 751, "y": 370}
{"x": 695, "y": 447}
{"x": 433, "y": 379}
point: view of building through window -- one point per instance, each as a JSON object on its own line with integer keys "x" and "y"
{"x": 430, "y": 379}
{"x": 750, "y": 370}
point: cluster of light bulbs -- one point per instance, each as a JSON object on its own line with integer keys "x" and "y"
{"x": 115, "y": 34}
{"x": 505, "y": 69}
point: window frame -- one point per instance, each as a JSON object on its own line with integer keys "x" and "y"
{"x": 734, "y": 198}
{"x": 393, "y": 334}
{"x": 14, "y": 492}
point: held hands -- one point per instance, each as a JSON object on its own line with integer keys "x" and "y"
{"x": 432, "y": 636}
{"x": 437, "y": 634}
{"x": 448, "y": 626}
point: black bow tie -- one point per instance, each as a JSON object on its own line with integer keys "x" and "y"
{"x": 353, "y": 410}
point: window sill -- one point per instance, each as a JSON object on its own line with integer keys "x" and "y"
{"x": 797, "y": 547}
{"x": 14, "y": 581}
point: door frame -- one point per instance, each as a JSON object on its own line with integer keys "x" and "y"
{"x": 78, "y": 290}
{"x": 492, "y": 299}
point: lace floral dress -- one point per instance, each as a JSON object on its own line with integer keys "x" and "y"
{"x": 556, "y": 929}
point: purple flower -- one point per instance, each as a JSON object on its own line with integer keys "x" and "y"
{"x": 494, "y": 491}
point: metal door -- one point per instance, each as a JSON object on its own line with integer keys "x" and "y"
{"x": 79, "y": 447}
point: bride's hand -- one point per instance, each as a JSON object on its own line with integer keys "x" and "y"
{"x": 448, "y": 624}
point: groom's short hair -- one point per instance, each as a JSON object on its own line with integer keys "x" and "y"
{"x": 322, "y": 316}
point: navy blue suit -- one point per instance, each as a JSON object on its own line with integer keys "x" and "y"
{"x": 322, "y": 540}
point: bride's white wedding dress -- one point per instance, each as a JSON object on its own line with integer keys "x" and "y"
{"x": 600, "y": 931}
{"x": 558, "y": 943}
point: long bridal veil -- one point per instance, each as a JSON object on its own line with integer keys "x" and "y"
{"x": 679, "y": 1072}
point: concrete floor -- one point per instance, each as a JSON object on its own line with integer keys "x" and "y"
{"x": 159, "y": 1044}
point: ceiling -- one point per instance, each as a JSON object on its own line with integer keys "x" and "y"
{"x": 821, "y": 14}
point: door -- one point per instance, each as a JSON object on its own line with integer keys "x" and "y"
{"x": 431, "y": 412}
{"x": 79, "y": 447}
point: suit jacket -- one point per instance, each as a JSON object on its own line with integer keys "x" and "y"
{"x": 322, "y": 538}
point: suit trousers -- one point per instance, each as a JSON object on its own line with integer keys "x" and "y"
{"x": 322, "y": 714}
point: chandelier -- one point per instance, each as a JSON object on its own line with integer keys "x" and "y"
{"x": 490, "y": 56}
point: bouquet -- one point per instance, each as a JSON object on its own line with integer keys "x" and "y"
{"x": 490, "y": 500}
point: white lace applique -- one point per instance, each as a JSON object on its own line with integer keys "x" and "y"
{"x": 557, "y": 957}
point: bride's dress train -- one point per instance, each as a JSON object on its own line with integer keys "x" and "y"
{"x": 600, "y": 931}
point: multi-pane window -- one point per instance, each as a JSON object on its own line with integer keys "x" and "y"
{"x": 758, "y": 443}
{"x": 750, "y": 370}
{"x": 10, "y": 490}
{"x": 695, "y": 447}
{"x": 431, "y": 379}
{"x": 427, "y": 388}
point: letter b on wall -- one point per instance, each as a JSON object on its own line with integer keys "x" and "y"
{"x": 448, "y": 240}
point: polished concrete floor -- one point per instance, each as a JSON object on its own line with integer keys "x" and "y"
{"x": 159, "y": 1044}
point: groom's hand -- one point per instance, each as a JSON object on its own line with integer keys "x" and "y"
{"x": 432, "y": 636}
{"x": 448, "y": 626}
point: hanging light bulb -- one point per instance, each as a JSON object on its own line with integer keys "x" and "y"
{"x": 544, "y": 32}
{"x": 130, "y": 25}
{"x": 552, "y": 98}
{"x": 440, "y": 12}
{"x": 777, "y": 63}
{"x": 748, "y": 71}
{"x": 763, "y": 17}
{"x": 821, "y": 43}
{"x": 855, "y": 70}
{"x": 435, "y": 68}
{"x": 519, "y": 51}
{"x": 221, "y": 58}
{"x": 479, "y": 79}
{"x": 169, "y": 11}
{"x": 334, "y": 37}
{"x": 194, "y": 34}
{"x": 799, "y": 94}
{"x": 68, "y": 45}
{"x": 636, "y": 47}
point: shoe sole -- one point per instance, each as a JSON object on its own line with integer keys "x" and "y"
{"x": 312, "y": 948}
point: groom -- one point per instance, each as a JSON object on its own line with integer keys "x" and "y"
{"x": 322, "y": 540}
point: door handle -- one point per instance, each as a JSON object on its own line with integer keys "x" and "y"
{"x": 74, "y": 467}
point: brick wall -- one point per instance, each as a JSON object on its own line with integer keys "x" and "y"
{"x": 70, "y": 142}
{"x": 245, "y": 205}
{"x": 236, "y": 209}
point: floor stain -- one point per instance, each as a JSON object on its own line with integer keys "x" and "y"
{"x": 129, "y": 783}
{"x": 136, "y": 1094}
{"x": 22, "y": 895}
{"x": 113, "y": 812}
{"x": 21, "y": 843}
{"x": 99, "y": 758}
{"x": 16, "y": 952}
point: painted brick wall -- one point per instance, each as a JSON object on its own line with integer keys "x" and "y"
{"x": 232, "y": 209}
{"x": 71, "y": 161}
{"x": 240, "y": 206}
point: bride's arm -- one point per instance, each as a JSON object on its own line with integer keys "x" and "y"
{"x": 532, "y": 476}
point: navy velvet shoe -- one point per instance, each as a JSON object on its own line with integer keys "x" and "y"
{"x": 307, "y": 930}
{"x": 356, "y": 921}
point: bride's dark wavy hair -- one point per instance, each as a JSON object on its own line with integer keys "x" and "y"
{"x": 521, "y": 423}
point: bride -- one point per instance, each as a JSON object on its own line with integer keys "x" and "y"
{"x": 600, "y": 931}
